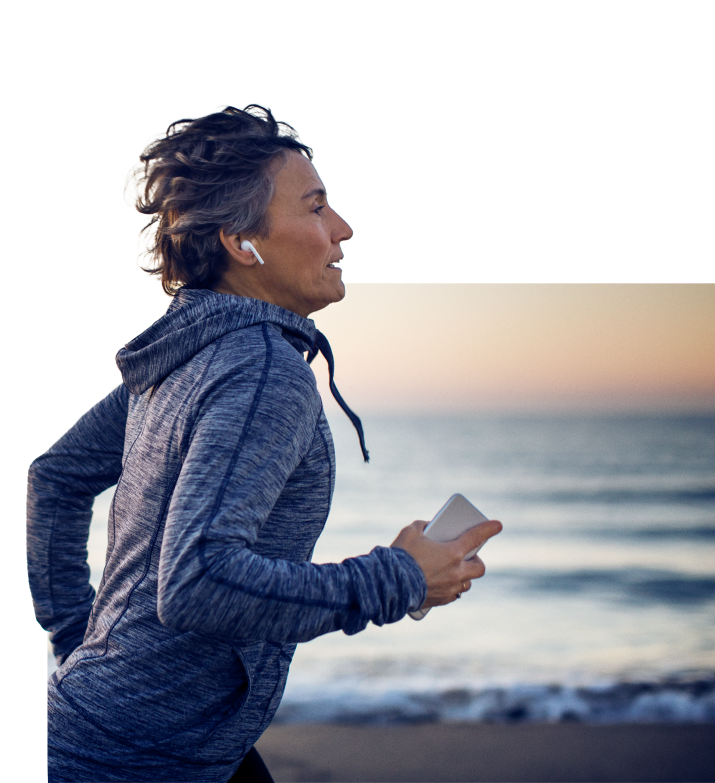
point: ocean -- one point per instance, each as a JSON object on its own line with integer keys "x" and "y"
{"x": 598, "y": 604}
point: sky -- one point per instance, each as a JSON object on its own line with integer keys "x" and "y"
{"x": 550, "y": 348}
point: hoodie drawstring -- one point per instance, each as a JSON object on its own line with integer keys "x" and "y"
{"x": 321, "y": 343}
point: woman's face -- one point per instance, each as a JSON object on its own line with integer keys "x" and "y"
{"x": 303, "y": 243}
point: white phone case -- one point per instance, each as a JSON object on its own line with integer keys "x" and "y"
{"x": 455, "y": 516}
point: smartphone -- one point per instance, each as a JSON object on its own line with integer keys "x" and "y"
{"x": 455, "y": 516}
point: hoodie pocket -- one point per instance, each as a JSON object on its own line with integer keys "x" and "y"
{"x": 234, "y": 690}
{"x": 267, "y": 665}
{"x": 183, "y": 704}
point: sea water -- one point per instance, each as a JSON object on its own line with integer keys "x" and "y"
{"x": 599, "y": 599}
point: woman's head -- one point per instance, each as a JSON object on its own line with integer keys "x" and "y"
{"x": 301, "y": 250}
{"x": 207, "y": 175}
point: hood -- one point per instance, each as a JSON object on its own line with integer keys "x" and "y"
{"x": 195, "y": 318}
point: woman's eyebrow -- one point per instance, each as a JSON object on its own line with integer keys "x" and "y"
{"x": 315, "y": 192}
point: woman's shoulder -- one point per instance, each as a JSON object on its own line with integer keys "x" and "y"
{"x": 263, "y": 354}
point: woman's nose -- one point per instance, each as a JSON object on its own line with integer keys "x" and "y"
{"x": 342, "y": 231}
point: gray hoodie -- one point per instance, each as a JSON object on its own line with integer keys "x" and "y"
{"x": 225, "y": 469}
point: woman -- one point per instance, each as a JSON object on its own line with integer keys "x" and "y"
{"x": 224, "y": 467}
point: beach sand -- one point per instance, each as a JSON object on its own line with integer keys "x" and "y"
{"x": 470, "y": 752}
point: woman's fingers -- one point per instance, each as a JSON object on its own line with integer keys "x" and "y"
{"x": 453, "y": 579}
{"x": 477, "y": 536}
{"x": 410, "y": 535}
{"x": 473, "y": 568}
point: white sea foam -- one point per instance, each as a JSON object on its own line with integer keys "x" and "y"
{"x": 681, "y": 702}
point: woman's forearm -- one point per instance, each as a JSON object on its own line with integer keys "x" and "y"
{"x": 242, "y": 595}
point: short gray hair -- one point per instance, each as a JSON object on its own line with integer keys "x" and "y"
{"x": 198, "y": 176}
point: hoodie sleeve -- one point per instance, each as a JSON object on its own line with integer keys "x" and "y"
{"x": 209, "y": 579}
{"x": 62, "y": 485}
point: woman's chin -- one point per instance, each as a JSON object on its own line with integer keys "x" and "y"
{"x": 335, "y": 294}
{"x": 340, "y": 292}
{"x": 337, "y": 287}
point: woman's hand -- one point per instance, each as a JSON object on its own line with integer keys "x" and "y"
{"x": 447, "y": 573}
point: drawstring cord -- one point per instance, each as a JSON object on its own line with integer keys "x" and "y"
{"x": 321, "y": 343}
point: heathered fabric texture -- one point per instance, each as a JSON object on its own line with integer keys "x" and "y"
{"x": 224, "y": 466}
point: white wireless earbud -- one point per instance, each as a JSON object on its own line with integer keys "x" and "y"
{"x": 246, "y": 245}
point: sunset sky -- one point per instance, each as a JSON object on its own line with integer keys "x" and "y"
{"x": 524, "y": 347}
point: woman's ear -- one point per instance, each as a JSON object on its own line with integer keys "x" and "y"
{"x": 246, "y": 245}
{"x": 232, "y": 243}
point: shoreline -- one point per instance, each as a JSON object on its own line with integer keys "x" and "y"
{"x": 475, "y": 752}
{"x": 681, "y": 698}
